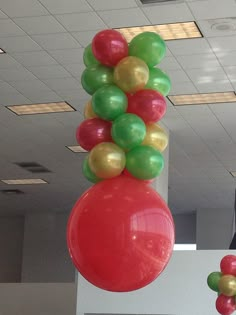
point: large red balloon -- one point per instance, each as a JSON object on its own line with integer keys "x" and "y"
{"x": 148, "y": 104}
{"x": 225, "y": 305}
{"x": 228, "y": 265}
{"x": 120, "y": 234}
{"x": 109, "y": 47}
{"x": 92, "y": 132}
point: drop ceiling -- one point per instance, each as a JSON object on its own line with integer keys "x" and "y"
{"x": 44, "y": 42}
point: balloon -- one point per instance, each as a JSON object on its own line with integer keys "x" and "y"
{"x": 106, "y": 160}
{"x": 120, "y": 234}
{"x": 92, "y": 132}
{"x": 159, "y": 81}
{"x": 225, "y": 305}
{"x": 126, "y": 173}
{"x": 109, "y": 102}
{"x": 148, "y": 46}
{"x": 144, "y": 162}
{"x": 148, "y": 104}
{"x": 228, "y": 265}
{"x": 213, "y": 281}
{"x": 109, "y": 47}
{"x": 88, "y": 173}
{"x": 227, "y": 285}
{"x": 156, "y": 137}
{"x": 128, "y": 131}
{"x": 131, "y": 74}
{"x": 88, "y": 57}
{"x": 88, "y": 111}
{"x": 94, "y": 77}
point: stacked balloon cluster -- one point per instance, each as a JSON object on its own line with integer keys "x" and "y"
{"x": 224, "y": 283}
{"x": 120, "y": 233}
{"x": 120, "y": 129}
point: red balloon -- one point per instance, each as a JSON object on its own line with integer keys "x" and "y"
{"x": 148, "y": 104}
{"x": 109, "y": 47}
{"x": 120, "y": 234}
{"x": 225, "y": 305}
{"x": 145, "y": 181}
{"x": 228, "y": 265}
{"x": 92, "y": 132}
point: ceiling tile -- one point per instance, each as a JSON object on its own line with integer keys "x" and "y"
{"x": 13, "y": 99}
{"x": 68, "y": 56}
{"x": 206, "y": 75}
{"x": 64, "y": 83}
{"x": 198, "y": 61}
{"x": 219, "y": 86}
{"x": 72, "y": 94}
{"x": 217, "y": 27}
{"x": 19, "y": 44}
{"x": 183, "y": 88}
{"x": 169, "y": 63}
{"x": 44, "y": 97}
{"x": 30, "y": 86}
{"x": 177, "y": 76}
{"x": 56, "y": 41}
{"x": 81, "y": 21}
{"x": 34, "y": 58}
{"x": 166, "y": 13}
{"x": 15, "y": 8}
{"x": 6, "y": 88}
{"x": 210, "y": 9}
{"x": 122, "y": 18}
{"x": 9, "y": 28}
{"x": 189, "y": 46}
{"x": 15, "y": 74}
{"x": 68, "y": 6}
{"x": 223, "y": 44}
{"x": 112, "y": 4}
{"x": 231, "y": 72}
{"x": 6, "y": 61}
{"x": 50, "y": 71}
{"x": 75, "y": 69}
{"x": 40, "y": 25}
{"x": 227, "y": 58}
{"x": 84, "y": 38}
{"x": 3, "y": 15}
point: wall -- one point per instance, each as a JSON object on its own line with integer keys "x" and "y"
{"x": 185, "y": 228}
{"x": 180, "y": 290}
{"x": 45, "y": 255}
{"x": 11, "y": 239}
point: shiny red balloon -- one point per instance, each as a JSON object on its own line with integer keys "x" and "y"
{"x": 148, "y": 104}
{"x": 225, "y": 305}
{"x": 120, "y": 234}
{"x": 92, "y": 132}
{"x": 109, "y": 47}
{"x": 145, "y": 181}
{"x": 228, "y": 265}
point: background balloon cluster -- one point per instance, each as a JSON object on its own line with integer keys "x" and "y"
{"x": 224, "y": 283}
{"x": 120, "y": 129}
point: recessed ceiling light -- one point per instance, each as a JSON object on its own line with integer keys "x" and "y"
{"x": 198, "y": 99}
{"x": 27, "y": 181}
{"x": 76, "y": 149}
{"x": 166, "y": 31}
{"x": 41, "y": 108}
{"x": 233, "y": 173}
{"x": 2, "y": 51}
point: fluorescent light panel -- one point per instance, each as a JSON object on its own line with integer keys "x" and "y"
{"x": 27, "y": 181}
{"x": 41, "y": 108}
{"x": 198, "y": 99}
{"x": 166, "y": 31}
{"x": 233, "y": 173}
{"x": 185, "y": 247}
{"x": 2, "y": 51}
{"x": 76, "y": 148}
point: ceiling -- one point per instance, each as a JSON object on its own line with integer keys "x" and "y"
{"x": 44, "y": 42}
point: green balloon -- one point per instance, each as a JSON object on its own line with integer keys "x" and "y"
{"x": 144, "y": 162}
{"x": 109, "y": 102}
{"x": 213, "y": 280}
{"x": 128, "y": 131}
{"x": 88, "y": 57}
{"x": 94, "y": 77}
{"x": 88, "y": 173}
{"x": 159, "y": 81}
{"x": 149, "y": 47}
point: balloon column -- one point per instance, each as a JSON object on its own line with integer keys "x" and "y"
{"x": 224, "y": 283}
{"x": 121, "y": 233}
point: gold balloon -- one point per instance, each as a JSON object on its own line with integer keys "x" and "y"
{"x": 227, "y": 285}
{"x": 156, "y": 137}
{"x": 107, "y": 160}
{"x": 88, "y": 111}
{"x": 131, "y": 74}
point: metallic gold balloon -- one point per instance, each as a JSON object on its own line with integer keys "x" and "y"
{"x": 156, "y": 137}
{"x": 88, "y": 111}
{"x": 106, "y": 160}
{"x": 227, "y": 285}
{"x": 131, "y": 74}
